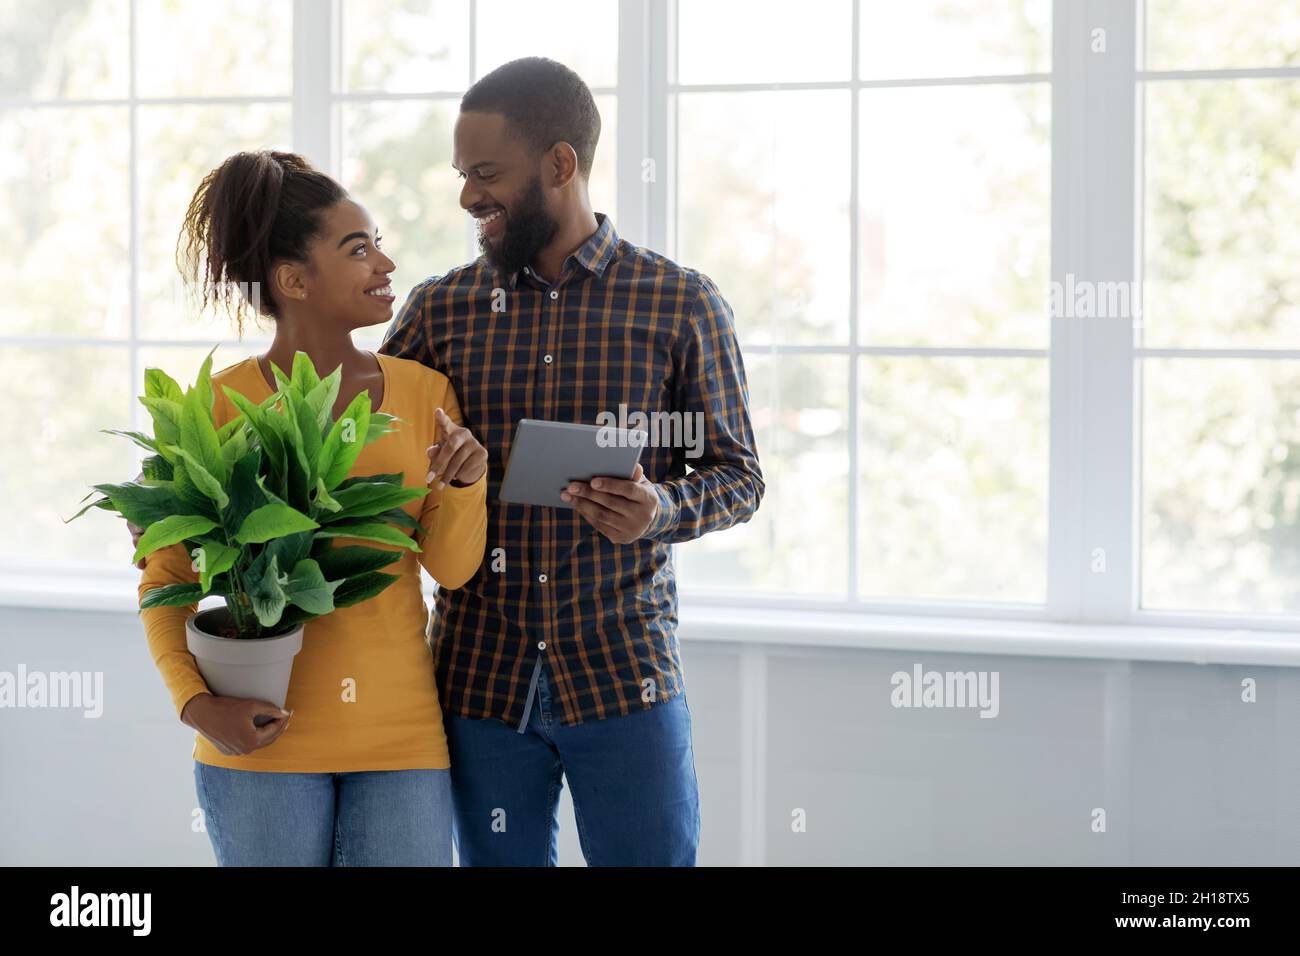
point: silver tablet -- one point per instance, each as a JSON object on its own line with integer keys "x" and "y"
{"x": 546, "y": 456}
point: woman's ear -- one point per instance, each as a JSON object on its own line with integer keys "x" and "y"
{"x": 287, "y": 282}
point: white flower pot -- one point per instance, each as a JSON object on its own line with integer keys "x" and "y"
{"x": 258, "y": 668}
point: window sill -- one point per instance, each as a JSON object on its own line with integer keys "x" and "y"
{"x": 700, "y": 620}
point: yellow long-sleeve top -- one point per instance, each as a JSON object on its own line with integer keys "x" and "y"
{"x": 362, "y": 692}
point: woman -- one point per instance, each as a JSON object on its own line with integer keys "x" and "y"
{"x": 355, "y": 771}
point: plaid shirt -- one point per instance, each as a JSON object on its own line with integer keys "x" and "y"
{"x": 620, "y": 325}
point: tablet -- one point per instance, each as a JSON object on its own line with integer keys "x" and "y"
{"x": 546, "y": 456}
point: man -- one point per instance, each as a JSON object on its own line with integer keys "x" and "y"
{"x": 559, "y": 658}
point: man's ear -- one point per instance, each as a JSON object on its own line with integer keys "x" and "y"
{"x": 562, "y": 164}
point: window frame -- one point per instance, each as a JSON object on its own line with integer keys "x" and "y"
{"x": 1094, "y": 366}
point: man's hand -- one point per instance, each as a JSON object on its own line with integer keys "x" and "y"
{"x": 457, "y": 456}
{"x": 619, "y": 508}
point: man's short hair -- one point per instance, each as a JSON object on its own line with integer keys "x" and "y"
{"x": 543, "y": 102}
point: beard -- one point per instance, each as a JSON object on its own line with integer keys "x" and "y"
{"x": 529, "y": 227}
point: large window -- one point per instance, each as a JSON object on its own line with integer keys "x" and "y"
{"x": 889, "y": 195}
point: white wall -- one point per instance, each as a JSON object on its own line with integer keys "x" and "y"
{"x": 1188, "y": 773}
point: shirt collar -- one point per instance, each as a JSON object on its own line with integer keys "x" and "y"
{"x": 593, "y": 255}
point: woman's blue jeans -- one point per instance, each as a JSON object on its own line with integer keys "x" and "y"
{"x": 363, "y": 818}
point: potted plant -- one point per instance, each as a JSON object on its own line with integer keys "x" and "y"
{"x": 257, "y": 503}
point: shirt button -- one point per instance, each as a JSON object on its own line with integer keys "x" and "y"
{"x": 547, "y": 359}
{"x": 542, "y": 578}
{"x": 541, "y": 645}
{"x": 555, "y": 295}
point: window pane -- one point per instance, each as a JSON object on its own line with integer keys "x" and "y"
{"x": 797, "y": 543}
{"x": 73, "y": 49}
{"x": 1222, "y": 200}
{"x": 232, "y": 48}
{"x": 1221, "y": 485}
{"x": 955, "y": 214}
{"x": 179, "y": 145}
{"x": 1210, "y": 34}
{"x": 928, "y": 38}
{"x": 412, "y": 46}
{"x": 397, "y": 163}
{"x": 953, "y": 490}
{"x": 66, "y": 396}
{"x": 760, "y": 216}
{"x": 510, "y": 29}
{"x": 764, "y": 41}
{"x": 63, "y": 202}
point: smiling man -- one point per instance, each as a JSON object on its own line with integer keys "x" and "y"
{"x": 559, "y": 658}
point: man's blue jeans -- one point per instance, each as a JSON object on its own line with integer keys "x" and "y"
{"x": 635, "y": 794}
{"x": 362, "y": 818}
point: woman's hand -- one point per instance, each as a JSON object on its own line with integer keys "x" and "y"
{"x": 229, "y": 722}
{"x": 457, "y": 457}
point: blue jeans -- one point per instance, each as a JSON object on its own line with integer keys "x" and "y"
{"x": 363, "y": 818}
{"x": 635, "y": 794}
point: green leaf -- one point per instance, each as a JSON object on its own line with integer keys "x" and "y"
{"x": 141, "y": 439}
{"x": 366, "y": 498}
{"x": 393, "y": 479}
{"x": 256, "y": 417}
{"x": 235, "y": 448}
{"x": 203, "y": 385}
{"x": 157, "y": 468}
{"x": 171, "y": 595}
{"x": 158, "y": 384}
{"x": 400, "y": 518}
{"x": 203, "y": 479}
{"x": 103, "y": 504}
{"x": 383, "y": 533}
{"x": 304, "y": 375}
{"x": 283, "y": 381}
{"x": 213, "y": 558}
{"x": 321, "y": 399}
{"x": 290, "y": 549}
{"x": 245, "y": 491}
{"x": 362, "y": 588}
{"x": 196, "y": 502}
{"x": 166, "y": 415}
{"x": 353, "y": 560}
{"x": 199, "y": 435}
{"x": 265, "y": 593}
{"x": 380, "y": 425}
{"x": 323, "y": 498}
{"x": 171, "y": 530}
{"x": 310, "y": 430}
{"x": 143, "y": 504}
{"x": 308, "y": 589}
{"x": 344, "y": 442}
{"x": 274, "y": 520}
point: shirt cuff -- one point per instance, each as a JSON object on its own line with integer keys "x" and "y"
{"x": 665, "y": 520}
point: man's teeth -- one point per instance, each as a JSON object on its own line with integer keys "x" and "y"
{"x": 386, "y": 290}
{"x": 489, "y": 218}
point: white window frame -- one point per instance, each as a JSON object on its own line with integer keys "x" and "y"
{"x": 1094, "y": 365}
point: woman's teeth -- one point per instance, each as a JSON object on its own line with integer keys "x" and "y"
{"x": 386, "y": 290}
